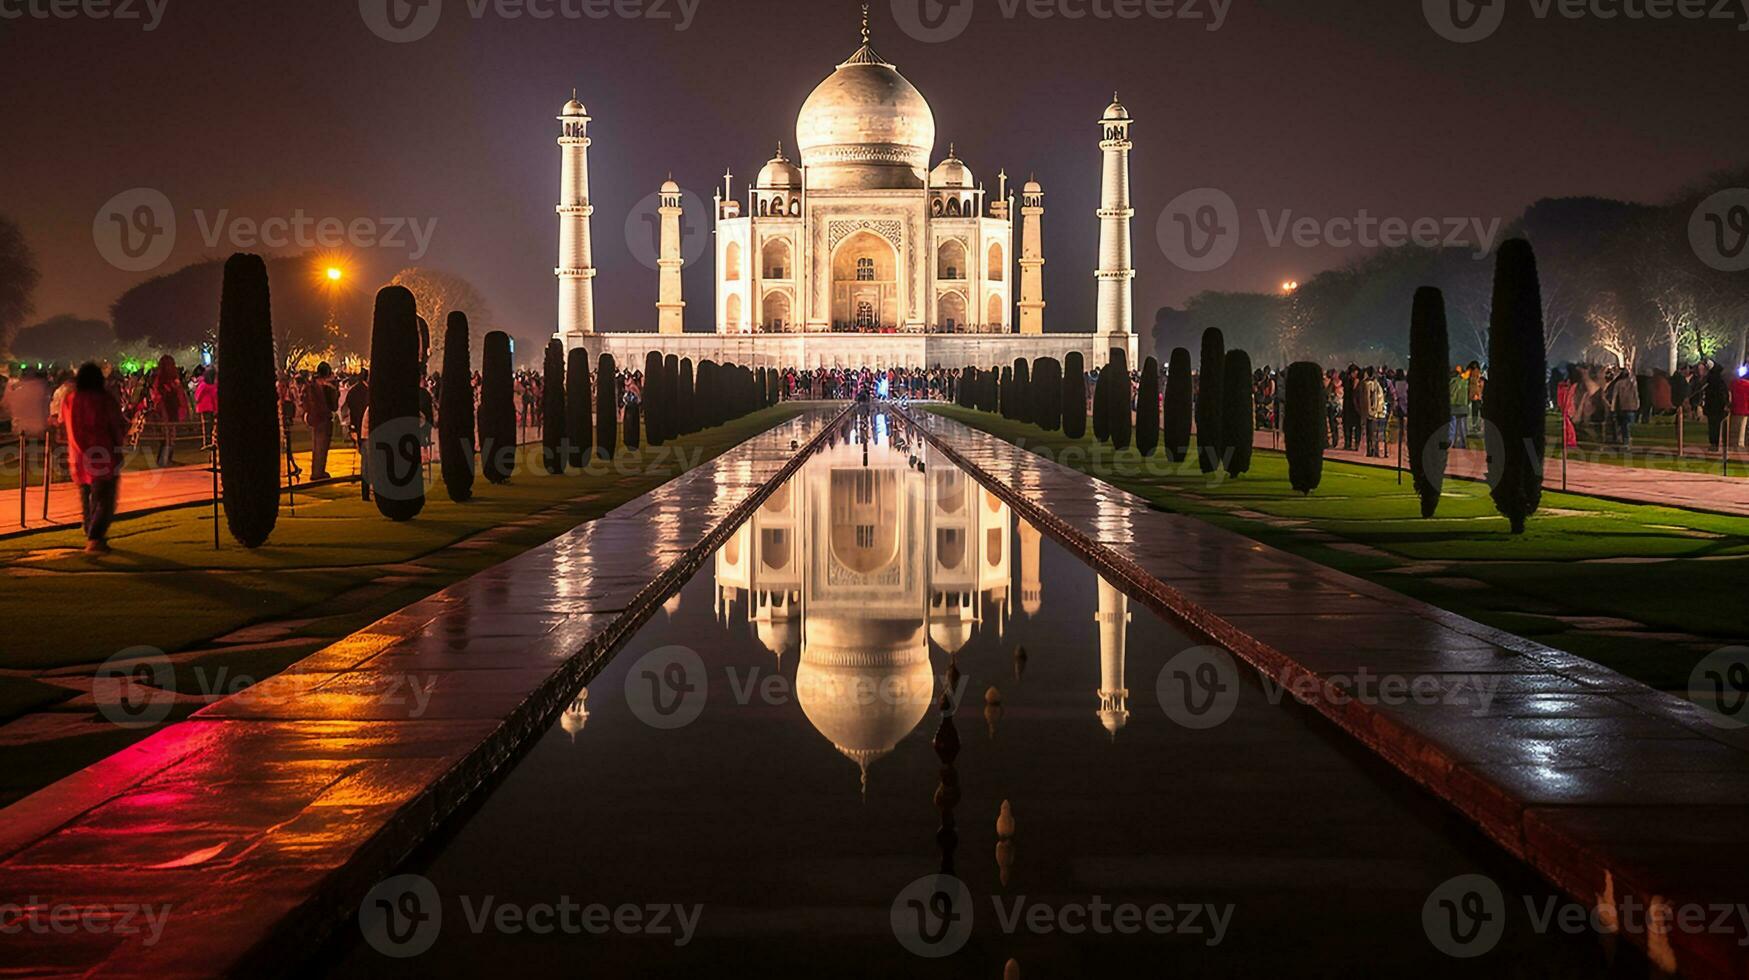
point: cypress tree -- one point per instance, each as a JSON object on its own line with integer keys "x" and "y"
{"x": 655, "y": 428}
{"x": 248, "y": 403}
{"x": 1005, "y": 394}
{"x": 1117, "y": 400}
{"x": 632, "y": 423}
{"x": 1429, "y": 402}
{"x": 707, "y": 398}
{"x": 1148, "y": 408}
{"x": 1513, "y": 403}
{"x": 579, "y": 407}
{"x": 760, "y": 385}
{"x": 497, "y": 409}
{"x": 606, "y": 407}
{"x": 1180, "y": 403}
{"x": 1023, "y": 391}
{"x": 671, "y": 396}
{"x": 1239, "y": 413}
{"x": 1209, "y": 444}
{"x": 397, "y": 465}
{"x": 455, "y": 416}
{"x": 1047, "y": 394}
{"x": 1101, "y": 414}
{"x": 684, "y": 399}
{"x": 554, "y": 449}
{"x": 1075, "y": 396}
{"x": 1303, "y": 425}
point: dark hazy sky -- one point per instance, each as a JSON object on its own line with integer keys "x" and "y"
{"x": 260, "y": 108}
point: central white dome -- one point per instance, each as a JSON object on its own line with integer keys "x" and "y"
{"x": 865, "y": 127}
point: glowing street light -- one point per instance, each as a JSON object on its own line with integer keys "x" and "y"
{"x": 335, "y": 274}
{"x": 1290, "y": 286}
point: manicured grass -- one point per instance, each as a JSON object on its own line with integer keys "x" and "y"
{"x": 1580, "y": 556}
{"x": 330, "y": 570}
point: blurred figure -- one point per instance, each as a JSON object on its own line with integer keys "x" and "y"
{"x": 95, "y": 432}
{"x": 321, "y": 399}
{"x": 1716, "y": 404}
{"x": 1740, "y": 404}
{"x": 167, "y": 404}
{"x": 206, "y": 404}
{"x": 1459, "y": 386}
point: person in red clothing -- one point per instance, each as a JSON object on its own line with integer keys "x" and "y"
{"x": 167, "y": 401}
{"x": 95, "y": 433}
{"x": 1740, "y": 404}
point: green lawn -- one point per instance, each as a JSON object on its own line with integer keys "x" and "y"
{"x": 1580, "y": 556}
{"x": 330, "y": 570}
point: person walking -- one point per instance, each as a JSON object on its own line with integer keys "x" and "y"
{"x": 1476, "y": 384}
{"x": 320, "y": 401}
{"x": 1740, "y": 405}
{"x": 1377, "y": 411}
{"x": 95, "y": 433}
{"x": 1716, "y": 403}
{"x": 1623, "y": 398}
{"x": 167, "y": 402}
{"x": 1458, "y": 437}
{"x": 206, "y": 404}
{"x": 288, "y": 413}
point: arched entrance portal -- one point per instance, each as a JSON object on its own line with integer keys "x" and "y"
{"x": 865, "y": 293}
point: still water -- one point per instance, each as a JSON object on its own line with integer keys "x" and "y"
{"x": 763, "y": 783}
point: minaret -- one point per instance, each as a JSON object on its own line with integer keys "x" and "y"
{"x": 576, "y": 269}
{"x": 1032, "y": 259}
{"x": 1113, "y": 618}
{"x": 1031, "y": 590}
{"x": 1116, "y": 271}
{"x": 669, "y": 306}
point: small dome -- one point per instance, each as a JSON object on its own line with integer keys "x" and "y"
{"x": 780, "y": 174}
{"x": 1115, "y": 111}
{"x": 1032, "y": 187}
{"x": 951, "y": 174}
{"x": 574, "y": 108}
{"x": 670, "y": 187}
{"x": 951, "y": 635}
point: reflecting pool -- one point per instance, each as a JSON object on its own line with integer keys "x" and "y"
{"x": 891, "y": 730}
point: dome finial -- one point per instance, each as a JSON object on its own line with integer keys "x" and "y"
{"x": 865, "y": 30}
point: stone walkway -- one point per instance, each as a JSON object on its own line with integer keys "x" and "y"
{"x": 1712, "y": 492}
{"x": 1613, "y": 791}
{"x": 262, "y": 821}
{"x": 141, "y": 490}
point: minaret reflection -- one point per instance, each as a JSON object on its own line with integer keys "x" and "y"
{"x": 867, "y": 556}
{"x": 1113, "y": 618}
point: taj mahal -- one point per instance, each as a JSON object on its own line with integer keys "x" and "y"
{"x": 859, "y": 253}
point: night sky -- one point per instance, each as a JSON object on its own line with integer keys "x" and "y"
{"x": 264, "y": 107}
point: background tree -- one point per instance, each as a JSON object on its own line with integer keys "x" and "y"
{"x": 1047, "y": 394}
{"x": 437, "y": 291}
{"x": 554, "y": 448}
{"x": 1075, "y": 396}
{"x": 1429, "y": 402}
{"x": 455, "y": 416}
{"x": 248, "y": 403}
{"x": 64, "y": 339}
{"x": 606, "y": 407}
{"x": 1118, "y": 398}
{"x": 396, "y": 467}
{"x": 1304, "y": 425}
{"x": 655, "y": 426}
{"x": 579, "y": 403}
{"x": 1148, "y": 408}
{"x": 1209, "y": 401}
{"x": 1180, "y": 402}
{"x": 1238, "y": 413}
{"x": 1514, "y": 401}
{"x": 18, "y": 280}
{"x": 497, "y": 409}
{"x": 685, "y": 401}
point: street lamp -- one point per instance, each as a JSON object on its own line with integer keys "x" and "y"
{"x": 335, "y": 274}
